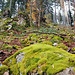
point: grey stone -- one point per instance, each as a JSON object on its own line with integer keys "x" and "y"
{"x": 19, "y": 57}
{"x": 68, "y": 71}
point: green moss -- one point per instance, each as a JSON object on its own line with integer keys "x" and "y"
{"x": 47, "y": 42}
{"x": 63, "y": 46}
{"x": 73, "y": 48}
{"x": 14, "y": 69}
{"x": 3, "y": 69}
{"x": 41, "y": 58}
{"x": 42, "y": 61}
{"x": 54, "y": 68}
{"x": 56, "y": 39}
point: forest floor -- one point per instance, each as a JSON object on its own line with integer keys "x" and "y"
{"x": 13, "y": 40}
{"x": 50, "y": 42}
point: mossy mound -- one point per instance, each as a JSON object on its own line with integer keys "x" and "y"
{"x": 39, "y": 58}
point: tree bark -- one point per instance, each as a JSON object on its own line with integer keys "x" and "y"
{"x": 10, "y": 7}
{"x": 2, "y": 7}
{"x": 54, "y": 14}
{"x": 74, "y": 13}
{"x": 62, "y": 6}
{"x": 30, "y": 12}
{"x": 39, "y": 17}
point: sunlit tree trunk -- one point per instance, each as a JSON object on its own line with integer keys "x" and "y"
{"x": 69, "y": 20}
{"x": 54, "y": 16}
{"x": 62, "y": 6}
{"x": 39, "y": 10}
{"x": 39, "y": 17}
{"x": 74, "y": 13}
{"x": 66, "y": 14}
{"x": 10, "y": 6}
{"x": 58, "y": 17}
{"x": 30, "y": 12}
{"x": 2, "y": 7}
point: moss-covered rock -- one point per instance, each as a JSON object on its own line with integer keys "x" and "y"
{"x": 39, "y": 58}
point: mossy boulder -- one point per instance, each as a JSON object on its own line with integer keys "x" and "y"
{"x": 40, "y": 58}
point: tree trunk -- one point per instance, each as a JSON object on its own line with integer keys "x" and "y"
{"x": 58, "y": 16}
{"x": 30, "y": 12}
{"x": 67, "y": 18}
{"x": 54, "y": 16}
{"x": 2, "y": 7}
{"x": 74, "y": 13}
{"x": 39, "y": 17}
{"x": 10, "y": 7}
{"x": 62, "y": 6}
{"x": 24, "y": 5}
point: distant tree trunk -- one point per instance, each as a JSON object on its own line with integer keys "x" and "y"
{"x": 30, "y": 12}
{"x": 10, "y": 6}
{"x": 66, "y": 14}
{"x": 39, "y": 17}
{"x": 62, "y": 6}
{"x": 39, "y": 10}
{"x": 24, "y": 5}
{"x": 69, "y": 19}
{"x": 54, "y": 16}
{"x": 74, "y": 13}
{"x": 2, "y": 7}
{"x": 58, "y": 17}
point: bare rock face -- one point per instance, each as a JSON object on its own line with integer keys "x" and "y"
{"x": 68, "y": 71}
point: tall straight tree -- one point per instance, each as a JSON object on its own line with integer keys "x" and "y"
{"x": 10, "y": 6}
{"x": 74, "y": 13}
{"x": 30, "y": 12}
{"x": 40, "y": 9}
{"x": 69, "y": 16}
{"x": 39, "y": 12}
{"x": 2, "y": 7}
{"x": 58, "y": 7}
{"x": 63, "y": 10}
{"x": 54, "y": 16}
